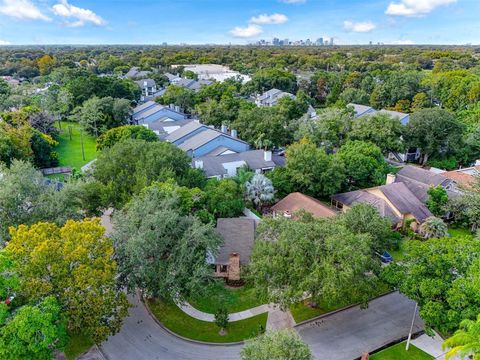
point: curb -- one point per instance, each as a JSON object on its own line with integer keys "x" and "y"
{"x": 198, "y": 342}
{"x": 305, "y": 322}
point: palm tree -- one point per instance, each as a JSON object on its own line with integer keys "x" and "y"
{"x": 466, "y": 341}
{"x": 433, "y": 227}
{"x": 259, "y": 190}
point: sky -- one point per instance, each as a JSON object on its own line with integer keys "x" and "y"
{"x": 238, "y": 21}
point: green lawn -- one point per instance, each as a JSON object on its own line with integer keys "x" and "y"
{"x": 70, "y": 151}
{"x": 234, "y": 299}
{"x": 399, "y": 253}
{"x": 459, "y": 232}
{"x": 398, "y": 352}
{"x": 77, "y": 345}
{"x": 302, "y": 311}
{"x": 180, "y": 323}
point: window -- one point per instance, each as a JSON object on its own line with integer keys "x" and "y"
{"x": 223, "y": 268}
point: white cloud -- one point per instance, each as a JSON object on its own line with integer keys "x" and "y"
{"x": 80, "y": 16}
{"x": 265, "y": 19}
{"x": 415, "y": 7}
{"x": 22, "y": 9}
{"x": 404, "y": 42}
{"x": 361, "y": 27}
{"x": 246, "y": 32}
{"x": 3, "y": 42}
{"x": 293, "y": 1}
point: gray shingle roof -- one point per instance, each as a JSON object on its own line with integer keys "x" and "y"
{"x": 184, "y": 130}
{"x": 144, "y": 83}
{"x": 199, "y": 139}
{"x": 421, "y": 175}
{"x": 143, "y": 106}
{"x": 238, "y": 237}
{"x": 405, "y": 201}
{"x": 213, "y": 165}
{"x": 150, "y": 111}
{"x": 160, "y": 125}
{"x": 360, "y": 110}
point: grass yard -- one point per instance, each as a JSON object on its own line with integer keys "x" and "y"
{"x": 459, "y": 232}
{"x": 70, "y": 151}
{"x": 77, "y": 345}
{"x": 302, "y": 311}
{"x": 180, "y": 323}
{"x": 234, "y": 299}
{"x": 398, "y": 352}
{"x": 399, "y": 253}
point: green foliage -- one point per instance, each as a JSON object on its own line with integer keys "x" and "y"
{"x": 112, "y": 136}
{"x": 433, "y": 227}
{"x": 437, "y": 200}
{"x": 224, "y": 198}
{"x": 277, "y": 345}
{"x": 466, "y": 341}
{"x": 270, "y": 78}
{"x": 364, "y": 164}
{"x": 221, "y": 318}
{"x": 33, "y": 332}
{"x": 183, "y": 97}
{"x": 161, "y": 250}
{"x": 445, "y": 296}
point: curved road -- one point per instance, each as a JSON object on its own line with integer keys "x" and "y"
{"x": 341, "y": 336}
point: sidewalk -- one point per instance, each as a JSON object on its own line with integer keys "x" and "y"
{"x": 432, "y": 346}
{"x": 242, "y": 315}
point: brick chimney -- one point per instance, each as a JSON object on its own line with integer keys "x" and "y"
{"x": 365, "y": 356}
{"x": 234, "y": 266}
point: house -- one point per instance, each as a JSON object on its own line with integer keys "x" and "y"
{"x": 148, "y": 87}
{"x": 135, "y": 72}
{"x": 463, "y": 179}
{"x": 271, "y": 97}
{"x": 222, "y": 163}
{"x": 165, "y": 126}
{"x": 190, "y": 84}
{"x": 296, "y": 201}
{"x": 361, "y": 110}
{"x": 150, "y": 112}
{"x": 238, "y": 237}
{"x": 404, "y": 118}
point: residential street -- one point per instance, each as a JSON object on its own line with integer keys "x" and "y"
{"x": 345, "y": 335}
{"x": 342, "y": 336}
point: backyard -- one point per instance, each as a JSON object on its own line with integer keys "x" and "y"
{"x": 70, "y": 149}
{"x": 182, "y": 324}
{"x": 398, "y": 352}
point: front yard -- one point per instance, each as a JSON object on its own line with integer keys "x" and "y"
{"x": 182, "y": 324}
{"x": 70, "y": 150}
{"x": 398, "y": 352}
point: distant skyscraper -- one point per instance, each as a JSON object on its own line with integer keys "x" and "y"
{"x": 308, "y": 42}
{"x": 286, "y": 42}
{"x": 331, "y": 41}
{"x": 319, "y": 42}
{"x": 276, "y": 42}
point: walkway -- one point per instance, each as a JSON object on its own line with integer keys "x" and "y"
{"x": 242, "y": 315}
{"x": 431, "y": 345}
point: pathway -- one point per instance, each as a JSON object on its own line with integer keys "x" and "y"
{"x": 431, "y": 345}
{"x": 242, "y": 315}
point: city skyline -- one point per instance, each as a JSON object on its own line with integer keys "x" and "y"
{"x": 351, "y": 22}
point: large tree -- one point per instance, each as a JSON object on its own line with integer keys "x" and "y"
{"x": 159, "y": 249}
{"x": 435, "y": 132}
{"x": 73, "y": 263}
{"x": 112, "y": 136}
{"x": 259, "y": 190}
{"x": 318, "y": 257}
{"x": 465, "y": 342}
{"x": 277, "y": 345}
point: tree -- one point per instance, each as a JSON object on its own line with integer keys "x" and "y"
{"x": 259, "y": 190}
{"x": 112, "y": 136}
{"x": 45, "y": 64}
{"x": 311, "y": 256}
{"x": 223, "y": 198}
{"x": 277, "y": 345}
{"x": 365, "y": 219}
{"x": 73, "y": 263}
{"x": 33, "y": 332}
{"x": 312, "y": 171}
{"x": 434, "y": 131}
{"x": 465, "y": 342}
{"x": 364, "y": 163}
{"x": 420, "y": 101}
{"x": 43, "y": 122}
{"x": 433, "y": 227}
{"x": 380, "y": 129}
{"x": 440, "y": 275}
{"x": 130, "y": 165}
{"x": 180, "y": 96}
{"x": 437, "y": 200}
{"x": 221, "y": 319}
{"x": 270, "y": 78}
{"x": 160, "y": 250}
{"x": 26, "y": 198}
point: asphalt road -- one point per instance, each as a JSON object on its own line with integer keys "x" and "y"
{"x": 342, "y": 336}
{"x": 345, "y": 335}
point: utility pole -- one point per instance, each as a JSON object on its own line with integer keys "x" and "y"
{"x": 411, "y": 327}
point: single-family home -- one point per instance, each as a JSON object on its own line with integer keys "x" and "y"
{"x": 361, "y": 110}
{"x": 403, "y": 117}
{"x": 295, "y": 202}
{"x": 223, "y": 163}
{"x": 238, "y": 236}
{"x": 135, "y": 72}
{"x": 463, "y": 179}
{"x": 190, "y": 84}
{"x": 148, "y": 88}
{"x": 270, "y": 98}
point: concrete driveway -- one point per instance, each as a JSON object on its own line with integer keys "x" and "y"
{"x": 343, "y": 336}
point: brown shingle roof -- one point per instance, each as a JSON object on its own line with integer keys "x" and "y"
{"x": 297, "y": 201}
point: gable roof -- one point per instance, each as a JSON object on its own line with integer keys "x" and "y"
{"x": 143, "y": 107}
{"x": 397, "y": 114}
{"x": 184, "y": 130}
{"x": 297, "y": 201}
{"x": 144, "y": 83}
{"x": 360, "y": 110}
{"x": 405, "y": 201}
{"x": 199, "y": 139}
{"x": 238, "y": 237}
{"x": 422, "y": 176}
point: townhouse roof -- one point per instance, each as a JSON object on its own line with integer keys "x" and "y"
{"x": 184, "y": 130}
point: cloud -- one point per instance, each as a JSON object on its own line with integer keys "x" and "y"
{"x": 293, "y": 1}
{"x": 22, "y": 9}
{"x": 265, "y": 19}
{"x": 79, "y": 15}
{"x": 246, "y": 32}
{"x": 361, "y": 27}
{"x": 415, "y": 7}
{"x": 3, "y": 42}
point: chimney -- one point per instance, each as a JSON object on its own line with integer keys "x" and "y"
{"x": 177, "y": 108}
{"x": 390, "y": 179}
{"x": 145, "y": 83}
{"x": 477, "y": 162}
{"x": 267, "y": 155}
{"x": 224, "y": 128}
{"x": 365, "y": 356}
{"x": 198, "y": 164}
{"x": 171, "y": 106}
{"x": 233, "y": 133}
{"x": 234, "y": 267}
